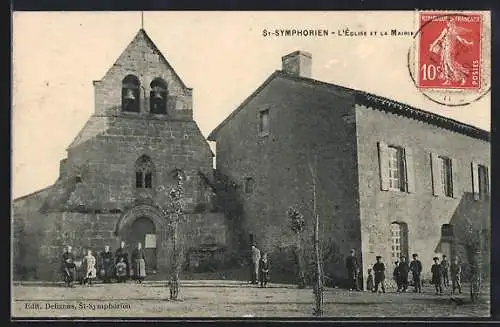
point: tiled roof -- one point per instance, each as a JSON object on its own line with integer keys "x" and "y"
{"x": 373, "y": 101}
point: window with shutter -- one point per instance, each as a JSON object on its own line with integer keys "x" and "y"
{"x": 437, "y": 182}
{"x": 475, "y": 180}
{"x": 410, "y": 173}
{"x": 383, "y": 166}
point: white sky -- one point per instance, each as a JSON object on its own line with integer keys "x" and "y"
{"x": 221, "y": 55}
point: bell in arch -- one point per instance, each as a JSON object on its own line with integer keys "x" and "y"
{"x": 130, "y": 95}
{"x": 157, "y": 94}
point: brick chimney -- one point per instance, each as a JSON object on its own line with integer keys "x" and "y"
{"x": 297, "y": 63}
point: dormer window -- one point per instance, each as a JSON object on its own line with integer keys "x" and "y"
{"x": 131, "y": 94}
{"x": 158, "y": 96}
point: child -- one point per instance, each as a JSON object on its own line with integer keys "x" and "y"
{"x": 436, "y": 276}
{"x": 121, "y": 271}
{"x": 456, "y": 271}
{"x": 89, "y": 268}
{"x": 369, "y": 281}
{"x": 263, "y": 270}
{"x": 395, "y": 275}
{"x": 379, "y": 270}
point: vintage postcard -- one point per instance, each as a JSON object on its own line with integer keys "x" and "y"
{"x": 251, "y": 164}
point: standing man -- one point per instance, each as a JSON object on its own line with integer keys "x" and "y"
{"x": 416, "y": 270}
{"x": 352, "y": 270}
{"x": 444, "y": 268}
{"x": 122, "y": 253}
{"x": 437, "y": 279}
{"x": 255, "y": 264}
{"x": 456, "y": 271}
{"x": 379, "y": 270}
{"x": 403, "y": 273}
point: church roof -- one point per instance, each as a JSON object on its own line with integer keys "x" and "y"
{"x": 141, "y": 34}
{"x": 371, "y": 100}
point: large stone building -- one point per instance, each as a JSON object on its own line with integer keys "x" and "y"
{"x": 119, "y": 169}
{"x": 391, "y": 179}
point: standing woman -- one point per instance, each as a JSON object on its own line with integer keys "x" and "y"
{"x": 139, "y": 264}
{"x": 107, "y": 265}
{"x": 88, "y": 264}
{"x": 122, "y": 253}
{"x": 68, "y": 266}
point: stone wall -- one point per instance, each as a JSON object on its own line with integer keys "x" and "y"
{"x": 304, "y": 119}
{"x": 422, "y": 211}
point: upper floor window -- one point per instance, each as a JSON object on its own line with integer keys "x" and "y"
{"x": 482, "y": 172}
{"x": 446, "y": 176}
{"x": 396, "y": 168}
{"x": 264, "y": 122}
{"x": 131, "y": 93}
{"x": 158, "y": 96}
{"x": 442, "y": 175}
{"x": 144, "y": 172}
{"x": 480, "y": 180}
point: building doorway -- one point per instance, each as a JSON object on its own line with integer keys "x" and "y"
{"x": 399, "y": 241}
{"x": 143, "y": 230}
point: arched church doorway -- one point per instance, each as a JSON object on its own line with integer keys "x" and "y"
{"x": 143, "y": 230}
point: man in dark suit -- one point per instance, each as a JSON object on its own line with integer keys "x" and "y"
{"x": 352, "y": 270}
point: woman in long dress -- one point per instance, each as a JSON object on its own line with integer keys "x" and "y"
{"x": 68, "y": 266}
{"x": 138, "y": 264}
{"x": 88, "y": 264}
{"x": 107, "y": 265}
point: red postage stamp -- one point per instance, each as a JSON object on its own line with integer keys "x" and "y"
{"x": 449, "y": 51}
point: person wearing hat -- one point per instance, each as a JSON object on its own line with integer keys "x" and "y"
{"x": 255, "y": 264}
{"x": 395, "y": 275}
{"x": 444, "y": 267}
{"x": 352, "y": 270}
{"x": 403, "y": 273}
{"x": 436, "y": 276}
{"x": 416, "y": 270}
{"x": 455, "y": 271}
{"x": 379, "y": 270}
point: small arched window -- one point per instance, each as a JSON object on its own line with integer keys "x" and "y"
{"x": 144, "y": 172}
{"x": 158, "y": 96}
{"x": 131, "y": 93}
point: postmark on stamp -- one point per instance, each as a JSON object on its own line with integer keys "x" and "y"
{"x": 449, "y": 61}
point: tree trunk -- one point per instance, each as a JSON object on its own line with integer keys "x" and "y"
{"x": 300, "y": 261}
{"x": 174, "y": 280}
{"x": 318, "y": 287}
{"x": 475, "y": 284}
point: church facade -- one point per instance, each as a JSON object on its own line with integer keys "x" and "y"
{"x": 390, "y": 179}
{"x": 114, "y": 184}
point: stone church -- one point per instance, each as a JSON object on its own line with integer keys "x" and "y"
{"x": 391, "y": 179}
{"x": 115, "y": 181}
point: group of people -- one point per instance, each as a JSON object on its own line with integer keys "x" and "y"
{"x": 441, "y": 271}
{"x": 109, "y": 266}
{"x": 259, "y": 270}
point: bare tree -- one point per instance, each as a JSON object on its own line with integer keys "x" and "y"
{"x": 297, "y": 224}
{"x": 176, "y": 216}
{"x": 318, "y": 283}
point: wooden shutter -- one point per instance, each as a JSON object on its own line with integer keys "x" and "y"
{"x": 383, "y": 166}
{"x": 455, "y": 189}
{"x": 410, "y": 172}
{"x": 437, "y": 183}
{"x": 475, "y": 179}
